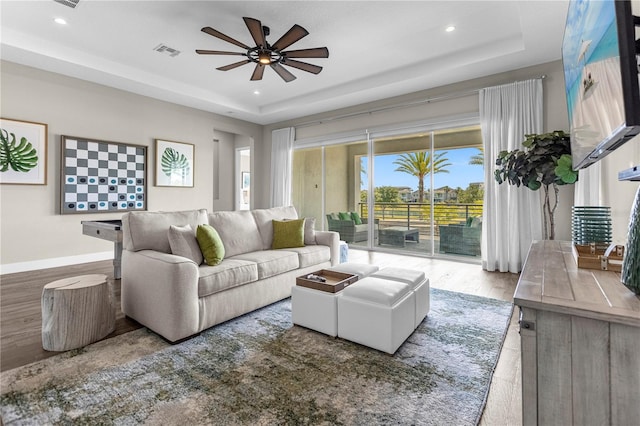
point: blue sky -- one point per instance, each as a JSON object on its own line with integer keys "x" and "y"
{"x": 460, "y": 172}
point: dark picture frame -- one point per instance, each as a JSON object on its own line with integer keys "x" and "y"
{"x": 99, "y": 176}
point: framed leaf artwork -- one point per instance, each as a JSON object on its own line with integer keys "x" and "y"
{"x": 23, "y": 152}
{"x": 174, "y": 163}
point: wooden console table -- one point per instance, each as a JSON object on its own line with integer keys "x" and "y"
{"x": 580, "y": 341}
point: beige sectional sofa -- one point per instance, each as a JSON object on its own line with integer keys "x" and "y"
{"x": 177, "y": 298}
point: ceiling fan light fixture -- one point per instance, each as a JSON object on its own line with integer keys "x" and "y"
{"x": 264, "y": 57}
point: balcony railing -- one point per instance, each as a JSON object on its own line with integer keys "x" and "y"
{"x": 419, "y": 214}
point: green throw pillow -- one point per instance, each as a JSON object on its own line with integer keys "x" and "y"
{"x": 356, "y": 218}
{"x": 210, "y": 244}
{"x": 344, "y": 216}
{"x": 288, "y": 234}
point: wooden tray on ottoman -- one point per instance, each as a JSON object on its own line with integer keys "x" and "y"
{"x": 336, "y": 281}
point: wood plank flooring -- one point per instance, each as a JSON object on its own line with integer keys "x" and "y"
{"x": 21, "y": 318}
{"x": 21, "y": 311}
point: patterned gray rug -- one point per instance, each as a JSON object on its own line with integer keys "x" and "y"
{"x": 260, "y": 370}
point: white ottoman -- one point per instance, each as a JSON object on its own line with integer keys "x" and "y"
{"x": 362, "y": 270}
{"x": 418, "y": 282}
{"x": 377, "y": 313}
{"x": 318, "y": 310}
{"x": 315, "y": 309}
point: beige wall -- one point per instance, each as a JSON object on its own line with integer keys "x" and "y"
{"x": 31, "y": 227}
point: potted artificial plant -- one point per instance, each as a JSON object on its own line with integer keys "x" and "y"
{"x": 544, "y": 162}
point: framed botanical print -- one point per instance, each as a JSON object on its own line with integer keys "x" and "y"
{"x": 174, "y": 163}
{"x": 23, "y": 152}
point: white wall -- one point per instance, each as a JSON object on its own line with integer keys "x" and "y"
{"x": 32, "y": 231}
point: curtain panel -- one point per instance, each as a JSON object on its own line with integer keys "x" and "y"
{"x": 281, "y": 166}
{"x": 512, "y": 216}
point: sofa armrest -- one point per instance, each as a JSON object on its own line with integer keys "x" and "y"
{"x": 160, "y": 291}
{"x": 331, "y": 239}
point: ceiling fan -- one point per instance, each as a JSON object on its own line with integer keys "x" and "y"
{"x": 264, "y": 54}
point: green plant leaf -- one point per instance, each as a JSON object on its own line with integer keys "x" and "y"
{"x": 537, "y": 164}
{"x": 20, "y": 158}
{"x": 173, "y": 162}
{"x": 564, "y": 170}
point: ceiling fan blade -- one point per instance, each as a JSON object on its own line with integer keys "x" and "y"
{"x": 314, "y": 69}
{"x": 224, "y": 37}
{"x": 255, "y": 28}
{"x": 318, "y": 52}
{"x": 258, "y": 72}
{"x": 218, "y": 52}
{"x": 234, "y": 65}
{"x": 294, "y": 34}
{"x": 282, "y": 72}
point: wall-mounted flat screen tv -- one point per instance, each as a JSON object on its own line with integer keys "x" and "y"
{"x": 601, "y": 78}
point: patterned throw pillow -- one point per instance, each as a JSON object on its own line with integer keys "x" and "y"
{"x": 288, "y": 234}
{"x": 210, "y": 244}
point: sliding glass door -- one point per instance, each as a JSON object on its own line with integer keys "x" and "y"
{"x": 418, "y": 192}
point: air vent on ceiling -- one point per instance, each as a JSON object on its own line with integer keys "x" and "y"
{"x": 71, "y": 3}
{"x": 163, "y": 48}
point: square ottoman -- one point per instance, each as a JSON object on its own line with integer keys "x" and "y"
{"x": 377, "y": 313}
{"x": 318, "y": 310}
{"x": 419, "y": 284}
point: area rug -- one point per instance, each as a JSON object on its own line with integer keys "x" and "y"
{"x": 259, "y": 369}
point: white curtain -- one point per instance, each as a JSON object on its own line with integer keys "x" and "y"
{"x": 588, "y": 189}
{"x": 512, "y": 216}
{"x": 281, "y": 159}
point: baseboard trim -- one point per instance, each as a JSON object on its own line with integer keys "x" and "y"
{"x": 12, "y": 268}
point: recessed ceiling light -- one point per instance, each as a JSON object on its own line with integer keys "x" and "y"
{"x": 60, "y": 21}
{"x": 256, "y": 92}
{"x": 450, "y": 28}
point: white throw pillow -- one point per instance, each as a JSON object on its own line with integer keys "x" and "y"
{"x": 183, "y": 243}
{"x": 309, "y": 231}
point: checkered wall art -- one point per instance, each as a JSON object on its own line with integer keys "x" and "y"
{"x": 99, "y": 176}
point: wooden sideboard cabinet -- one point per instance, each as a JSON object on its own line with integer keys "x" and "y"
{"x": 580, "y": 342}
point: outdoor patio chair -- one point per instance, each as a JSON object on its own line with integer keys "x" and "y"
{"x": 348, "y": 230}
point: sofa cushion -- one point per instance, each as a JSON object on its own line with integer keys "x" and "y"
{"x": 228, "y": 274}
{"x": 272, "y": 262}
{"x": 356, "y": 218}
{"x": 360, "y": 228}
{"x": 288, "y": 233}
{"x": 264, "y": 218}
{"x": 182, "y": 240}
{"x": 344, "y": 216}
{"x": 312, "y": 255}
{"x": 210, "y": 244}
{"x": 237, "y": 230}
{"x": 309, "y": 230}
{"x": 150, "y": 230}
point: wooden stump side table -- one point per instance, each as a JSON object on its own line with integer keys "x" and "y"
{"x": 76, "y": 311}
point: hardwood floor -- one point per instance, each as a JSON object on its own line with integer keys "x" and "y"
{"x": 20, "y": 317}
{"x": 21, "y": 312}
